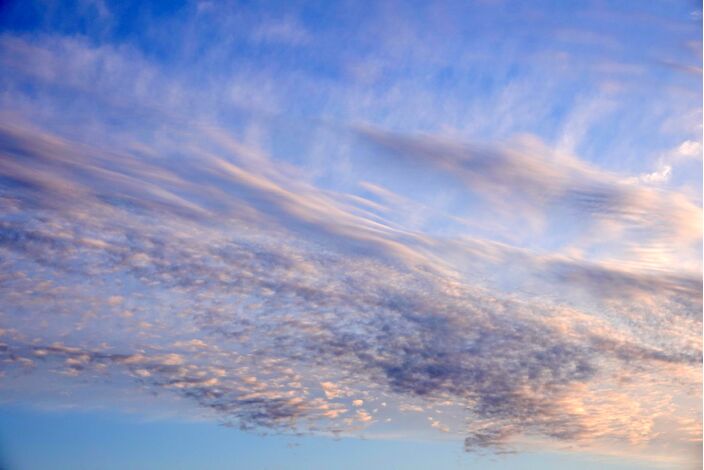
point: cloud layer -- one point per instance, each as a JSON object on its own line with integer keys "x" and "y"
{"x": 281, "y": 252}
{"x": 281, "y": 317}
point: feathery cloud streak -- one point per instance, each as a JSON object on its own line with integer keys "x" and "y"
{"x": 274, "y": 264}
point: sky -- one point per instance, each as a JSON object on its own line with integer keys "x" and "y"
{"x": 351, "y": 234}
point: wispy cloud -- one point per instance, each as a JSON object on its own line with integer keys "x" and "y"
{"x": 321, "y": 243}
{"x": 530, "y": 180}
{"x": 285, "y": 291}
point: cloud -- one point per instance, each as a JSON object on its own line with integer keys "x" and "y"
{"x": 529, "y": 181}
{"x": 237, "y": 248}
{"x": 289, "y": 314}
{"x": 286, "y": 31}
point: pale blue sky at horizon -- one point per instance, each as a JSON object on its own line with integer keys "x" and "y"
{"x": 347, "y": 234}
{"x": 108, "y": 440}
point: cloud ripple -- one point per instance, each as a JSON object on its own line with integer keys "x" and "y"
{"x": 224, "y": 279}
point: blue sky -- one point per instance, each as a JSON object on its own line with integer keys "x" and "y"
{"x": 446, "y": 234}
{"x": 113, "y": 441}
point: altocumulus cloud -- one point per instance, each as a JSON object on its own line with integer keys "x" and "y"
{"x": 210, "y": 260}
{"x": 250, "y": 293}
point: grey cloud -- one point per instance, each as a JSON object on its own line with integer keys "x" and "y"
{"x": 400, "y": 333}
{"x": 610, "y": 283}
{"x": 654, "y": 292}
{"x": 165, "y": 255}
{"x": 275, "y": 307}
{"x": 532, "y": 177}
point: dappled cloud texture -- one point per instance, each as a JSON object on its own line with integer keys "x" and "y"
{"x": 217, "y": 262}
